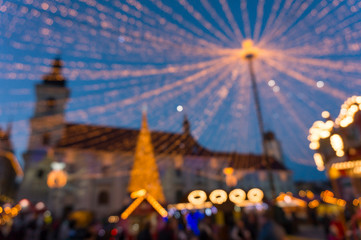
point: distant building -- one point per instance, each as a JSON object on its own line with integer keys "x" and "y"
{"x": 98, "y": 159}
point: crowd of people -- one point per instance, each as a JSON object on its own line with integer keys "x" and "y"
{"x": 252, "y": 225}
{"x": 194, "y": 225}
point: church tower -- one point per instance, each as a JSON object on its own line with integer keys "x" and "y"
{"x": 46, "y": 129}
{"x": 52, "y": 95}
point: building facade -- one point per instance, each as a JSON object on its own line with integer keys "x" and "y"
{"x": 98, "y": 159}
{"x": 8, "y": 184}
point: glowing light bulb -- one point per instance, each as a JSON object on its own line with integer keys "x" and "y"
{"x": 320, "y": 84}
{"x": 325, "y": 114}
{"x": 179, "y": 108}
{"x": 276, "y": 89}
{"x": 271, "y": 83}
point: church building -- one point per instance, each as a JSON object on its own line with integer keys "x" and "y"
{"x": 98, "y": 159}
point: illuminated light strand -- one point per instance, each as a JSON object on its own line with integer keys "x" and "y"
{"x": 181, "y": 206}
{"x": 306, "y": 80}
{"x": 289, "y": 10}
{"x": 131, "y": 208}
{"x": 346, "y": 165}
{"x": 231, "y": 20}
{"x": 155, "y": 204}
{"x": 204, "y": 22}
{"x": 245, "y": 18}
{"x": 259, "y": 19}
{"x": 218, "y": 19}
{"x": 337, "y": 144}
{"x": 319, "y": 161}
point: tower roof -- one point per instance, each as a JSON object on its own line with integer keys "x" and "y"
{"x": 55, "y": 77}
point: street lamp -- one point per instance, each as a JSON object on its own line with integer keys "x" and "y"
{"x": 250, "y": 52}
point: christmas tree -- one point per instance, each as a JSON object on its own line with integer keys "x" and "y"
{"x": 144, "y": 174}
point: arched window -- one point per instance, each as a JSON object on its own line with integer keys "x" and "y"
{"x": 103, "y": 198}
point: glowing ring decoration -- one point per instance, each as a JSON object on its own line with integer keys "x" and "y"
{"x": 255, "y": 195}
{"x": 197, "y": 197}
{"x": 237, "y": 196}
{"x": 218, "y": 196}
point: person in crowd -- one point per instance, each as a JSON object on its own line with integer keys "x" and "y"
{"x": 239, "y": 232}
{"x": 205, "y": 229}
{"x": 336, "y": 229}
{"x": 167, "y": 233}
{"x": 145, "y": 234}
{"x": 270, "y": 230}
{"x": 251, "y": 224}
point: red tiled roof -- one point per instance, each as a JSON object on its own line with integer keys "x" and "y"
{"x": 81, "y": 136}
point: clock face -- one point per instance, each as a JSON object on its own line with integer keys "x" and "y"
{"x": 57, "y": 179}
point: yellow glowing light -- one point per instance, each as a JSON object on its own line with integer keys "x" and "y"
{"x": 255, "y": 195}
{"x": 334, "y": 173}
{"x": 144, "y": 174}
{"x": 18, "y": 207}
{"x": 131, "y": 208}
{"x": 14, "y": 212}
{"x": 156, "y": 205}
{"x": 197, "y": 197}
{"x": 340, "y": 153}
{"x": 228, "y": 171}
{"x": 302, "y": 193}
{"x": 218, "y": 196}
{"x": 310, "y": 195}
{"x": 113, "y": 219}
{"x": 313, "y": 204}
{"x": 341, "y": 202}
{"x": 355, "y": 202}
{"x": 248, "y": 50}
{"x": 237, "y": 196}
{"x": 337, "y": 144}
{"x": 314, "y": 145}
{"x": 325, "y": 114}
{"x": 189, "y": 206}
{"x": 1, "y": 209}
{"x": 7, "y": 210}
{"x": 138, "y": 194}
{"x": 57, "y": 179}
{"x": 319, "y": 161}
{"x": 348, "y": 110}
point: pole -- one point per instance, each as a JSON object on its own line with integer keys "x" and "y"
{"x": 265, "y": 158}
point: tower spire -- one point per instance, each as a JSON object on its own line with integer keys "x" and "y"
{"x": 186, "y": 125}
{"x": 144, "y": 174}
{"x": 55, "y": 77}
